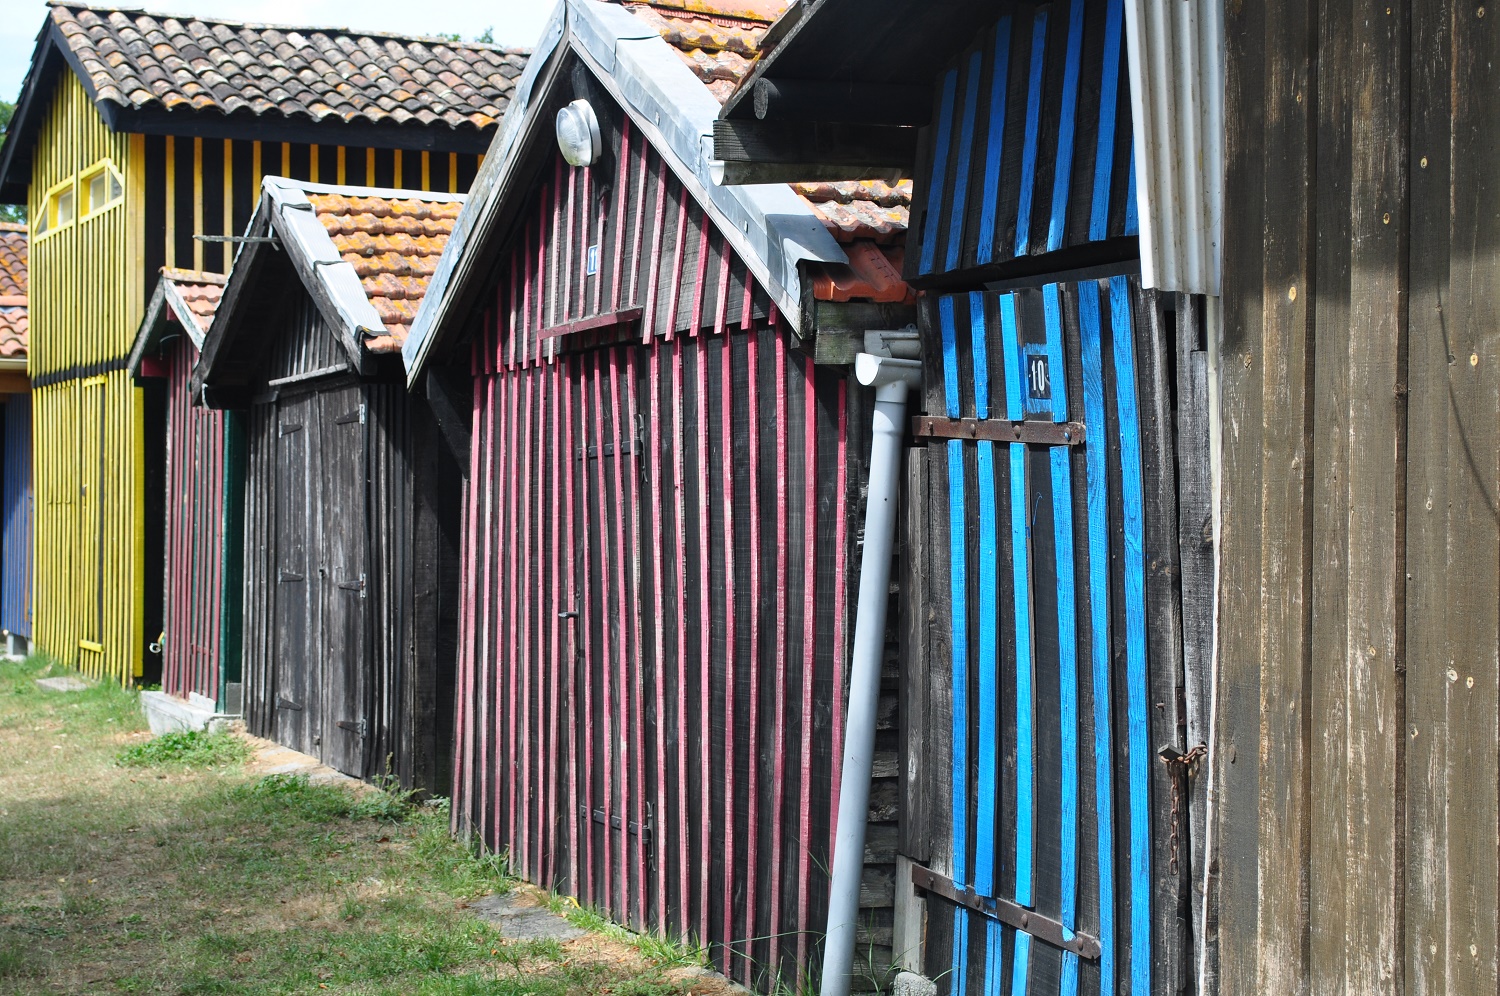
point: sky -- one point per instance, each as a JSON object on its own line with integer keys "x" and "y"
{"x": 516, "y": 22}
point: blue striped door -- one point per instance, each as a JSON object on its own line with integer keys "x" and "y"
{"x": 1047, "y": 809}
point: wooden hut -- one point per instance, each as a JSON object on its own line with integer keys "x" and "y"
{"x": 664, "y": 495}
{"x": 351, "y": 494}
{"x": 15, "y": 450}
{"x": 204, "y": 498}
{"x": 139, "y": 141}
{"x": 1059, "y": 569}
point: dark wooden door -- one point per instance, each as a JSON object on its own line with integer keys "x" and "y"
{"x": 616, "y": 655}
{"x": 298, "y": 716}
{"x": 343, "y": 562}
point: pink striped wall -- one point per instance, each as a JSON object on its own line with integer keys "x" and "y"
{"x": 656, "y": 552}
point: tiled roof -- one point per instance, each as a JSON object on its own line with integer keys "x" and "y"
{"x": 197, "y": 292}
{"x": 719, "y": 40}
{"x": 14, "y": 317}
{"x": 393, "y": 244}
{"x": 12, "y": 260}
{"x": 138, "y": 59}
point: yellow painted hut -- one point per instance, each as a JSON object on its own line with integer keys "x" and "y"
{"x": 139, "y": 141}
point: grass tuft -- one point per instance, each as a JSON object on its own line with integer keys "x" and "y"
{"x": 189, "y": 749}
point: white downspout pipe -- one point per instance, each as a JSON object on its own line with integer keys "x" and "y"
{"x": 891, "y": 378}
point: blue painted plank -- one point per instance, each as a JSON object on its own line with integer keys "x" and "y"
{"x": 1023, "y": 957}
{"x": 979, "y": 345}
{"x": 988, "y": 663}
{"x": 960, "y": 201}
{"x": 1010, "y": 348}
{"x": 958, "y": 576}
{"x": 1067, "y": 653}
{"x": 1067, "y": 635}
{"x": 1132, "y": 225}
{"x": 939, "y": 178}
{"x": 950, "y": 355}
{"x": 1096, "y": 456}
{"x": 1056, "y": 359}
{"x": 1020, "y": 521}
{"x": 995, "y": 143}
{"x": 1109, "y": 99}
{"x": 1033, "y": 127}
{"x": 1062, "y": 170}
{"x": 1135, "y": 637}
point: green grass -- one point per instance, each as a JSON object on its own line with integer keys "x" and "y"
{"x": 131, "y": 865}
{"x": 190, "y": 749}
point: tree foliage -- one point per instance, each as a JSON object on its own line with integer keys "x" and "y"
{"x": 9, "y": 212}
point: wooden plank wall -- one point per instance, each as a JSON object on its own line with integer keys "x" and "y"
{"x": 195, "y": 581}
{"x": 1358, "y": 747}
{"x": 16, "y": 519}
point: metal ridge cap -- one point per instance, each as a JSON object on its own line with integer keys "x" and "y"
{"x": 387, "y": 193}
{"x": 308, "y": 243}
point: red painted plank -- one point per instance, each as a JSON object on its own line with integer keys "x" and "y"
{"x": 653, "y": 274}
{"x": 658, "y": 615}
{"x": 840, "y": 603}
{"x": 555, "y": 605}
{"x": 676, "y": 286}
{"x": 488, "y": 824}
{"x": 622, "y": 181}
{"x": 701, "y": 274}
{"x": 521, "y": 565}
{"x": 513, "y": 607}
{"x": 684, "y": 819}
{"x": 752, "y": 821}
{"x": 637, "y": 685}
{"x": 705, "y": 645}
{"x": 619, "y": 435}
{"x": 726, "y": 486}
{"x": 809, "y": 648}
{"x": 778, "y": 749}
{"x": 606, "y": 657}
{"x": 576, "y": 626}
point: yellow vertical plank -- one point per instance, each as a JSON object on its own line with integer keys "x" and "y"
{"x": 286, "y": 159}
{"x": 197, "y": 202}
{"x": 171, "y": 236}
{"x": 453, "y": 172}
{"x": 369, "y": 167}
{"x": 228, "y": 225}
{"x": 426, "y": 171}
{"x": 396, "y": 173}
{"x": 255, "y": 172}
{"x": 312, "y": 164}
{"x": 340, "y": 173}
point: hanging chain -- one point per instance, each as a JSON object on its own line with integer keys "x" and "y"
{"x": 1172, "y": 756}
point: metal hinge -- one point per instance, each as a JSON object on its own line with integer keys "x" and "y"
{"x": 357, "y": 727}
{"x": 355, "y": 585}
{"x": 1043, "y": 928}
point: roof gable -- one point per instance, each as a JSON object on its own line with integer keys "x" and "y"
{"x": 770, "y": 226}
{"x": 365, "y": 255}
{"x": 166, "y": 74}
{"x": 189, "y": 297}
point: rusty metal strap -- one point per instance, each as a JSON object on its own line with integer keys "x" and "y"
{"x": 1025, "y": 920}
{"x": 999, "y": 430}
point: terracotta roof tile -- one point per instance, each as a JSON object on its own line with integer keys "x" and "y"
{"x": 200, "y": 291}
{"x": 394, "y": 245}
{"x": 12, "y": 260}
{"x": 719, "y": 41}
{"x": 134, "y": 58}
{"x": 14, "y": 317}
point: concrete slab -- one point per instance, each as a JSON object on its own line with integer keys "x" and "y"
{"x": 169, "y": 714}
{"x": 520, "y": 917}
{"x": 63, "y": 684}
